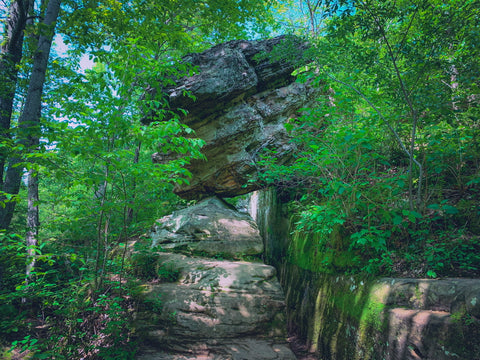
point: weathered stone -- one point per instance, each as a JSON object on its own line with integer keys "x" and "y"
{"x": 413, "y": 334}
{"x": 448, "y": 295}
{"x": 240, "y": 109}
{"x": 244, "y": 349}
{"x": 210, "y": 227}
{"x": 216, "y": 309}
{"x": 229, "y": 72}
{"x": 353, "y": 317}
{"x": 345, "y": 318}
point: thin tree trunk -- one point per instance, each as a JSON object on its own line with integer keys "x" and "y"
{"x": 414, "y": 203}
{"x": 32, "y": 221}
{"x": 29, "y": 125}
{"x": 11, "y": 53}
{"x": 102, "y": 232}
{"x": 11, "y": 186}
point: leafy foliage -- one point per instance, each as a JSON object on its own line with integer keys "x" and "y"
{"x": 98, "y": 187}
{"x": 384, "y": 179}
{"x": 389, "y": 156}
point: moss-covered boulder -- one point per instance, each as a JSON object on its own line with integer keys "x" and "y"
{"x": 211, "y": 227}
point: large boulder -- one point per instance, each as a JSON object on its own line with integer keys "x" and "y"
{"x": 211, "y": 227}
{"x": 217, "y": 310}
{"x": 210, "y": 308}
{"x": 241, "y": 105}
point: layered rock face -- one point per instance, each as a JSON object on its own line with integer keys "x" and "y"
{"x": 347, "y": 318}
{"x": 224, "y": 309}
{"x": 240, "y": 108}
{"x": 215, "y": 309}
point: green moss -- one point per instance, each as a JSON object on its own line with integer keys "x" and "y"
{"x": 462, "y": 317}
{"x": 342, "y": 315}
{"x": 321, "y": 253}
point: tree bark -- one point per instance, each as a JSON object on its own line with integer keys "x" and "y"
{"x": 130, "y": 209}
{"x": 32, "y": 221}
{"x": 11, "y": 53}
{"x": 29, "y": 121}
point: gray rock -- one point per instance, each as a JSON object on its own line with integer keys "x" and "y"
{"x": 450, "y": 295}
{"x": 245, "y": 349}
{"x": 216, "y": 309}
{"x": 210, "y": 227}
{"x": 241, "y": 106}
{"x": 231, "y": 71}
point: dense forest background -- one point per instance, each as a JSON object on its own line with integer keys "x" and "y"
{"x": 384, "y": 181}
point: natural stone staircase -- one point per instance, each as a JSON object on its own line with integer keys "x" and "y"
{"x": 217, "y": 309}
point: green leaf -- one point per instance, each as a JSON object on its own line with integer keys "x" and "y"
{"x": 451, "y": 210}
{"x": 397, "y": 220}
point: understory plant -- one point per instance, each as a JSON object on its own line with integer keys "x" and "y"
{"x": 386, "y": 167}
{"x": 59, "y": 313}
{"x": 348, "y": 177}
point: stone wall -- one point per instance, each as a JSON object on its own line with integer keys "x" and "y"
{"x": 345, "y": 318}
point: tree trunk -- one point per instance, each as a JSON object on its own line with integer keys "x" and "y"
{"x": 32, "y": 221}
{"x": 29, "y": 121}
{"x": 11, "y": 53}
{"x": 11, "y": 186}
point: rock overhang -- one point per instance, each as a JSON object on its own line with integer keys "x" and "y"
{"x": 239, "y": 100}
